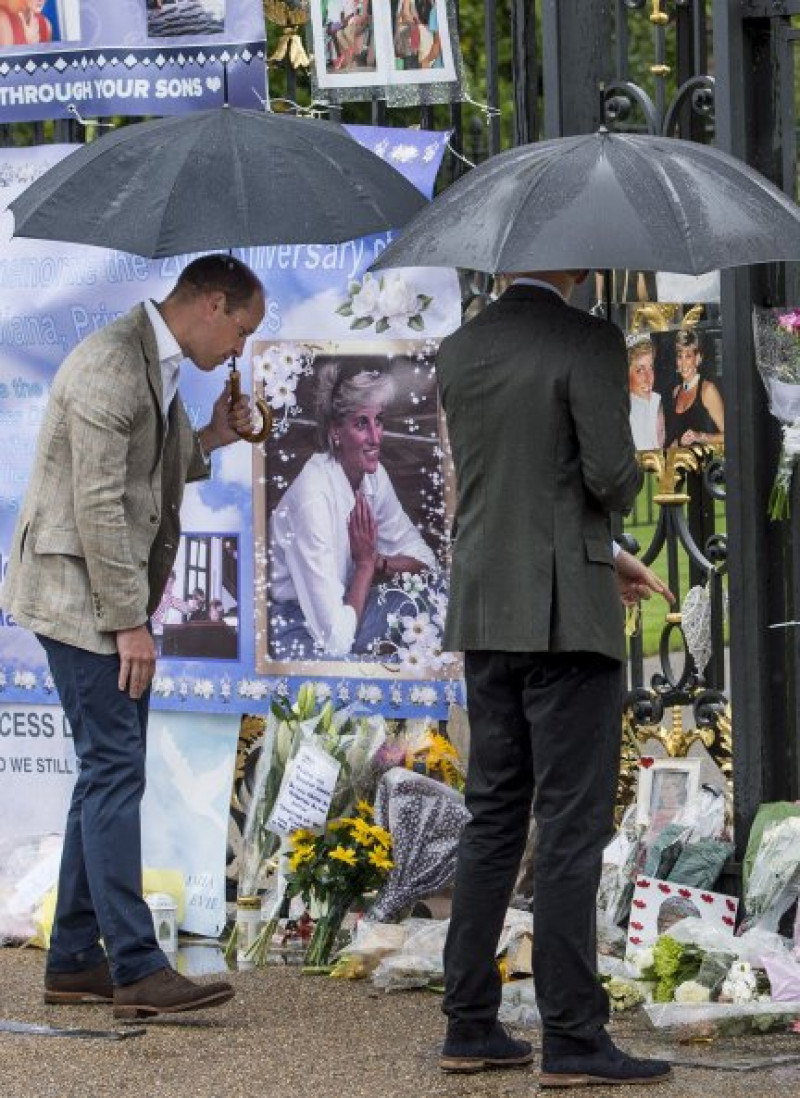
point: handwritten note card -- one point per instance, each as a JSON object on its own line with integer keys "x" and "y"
{"x": 306, "y": 793}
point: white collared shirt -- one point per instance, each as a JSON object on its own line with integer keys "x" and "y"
{"x": 170, "y": 355}
{"x": 311, "y": 561}
{"x": 540, "y": 284}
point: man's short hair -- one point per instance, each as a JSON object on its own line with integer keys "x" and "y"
{"x": 213, "y": 274}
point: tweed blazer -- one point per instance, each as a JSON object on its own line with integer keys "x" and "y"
{"x": 536, "y": 398}
{"x": 98, "y": 531}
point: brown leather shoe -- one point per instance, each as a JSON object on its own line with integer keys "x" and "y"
{"x": 167, "y": 992}
{"x": 92, "y": 985}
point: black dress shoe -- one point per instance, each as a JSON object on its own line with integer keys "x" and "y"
{"x": 470, "y": 1048}
{"x": 595, "y": 1061}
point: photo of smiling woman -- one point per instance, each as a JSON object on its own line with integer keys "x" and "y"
{"x": 339, "y": 531}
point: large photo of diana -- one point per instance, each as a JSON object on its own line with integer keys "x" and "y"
{"x": 351, "y": 511}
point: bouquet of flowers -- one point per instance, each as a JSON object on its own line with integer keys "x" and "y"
{"x": 350, "y": 739}
{"x": 332, "y": 870}
{"x": 670, "y": 967}
{"x": 777, "y": 342}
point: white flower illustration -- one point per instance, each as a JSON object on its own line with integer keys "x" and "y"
{"x": 365, "y": 301}
{"x": 387, "y": 302}
{"x": 404, "y": 154}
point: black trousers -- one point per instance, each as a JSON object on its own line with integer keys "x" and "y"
{"x": 544, "y": 727}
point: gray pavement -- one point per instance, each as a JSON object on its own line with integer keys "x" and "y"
{"x": 288, "y": 1035}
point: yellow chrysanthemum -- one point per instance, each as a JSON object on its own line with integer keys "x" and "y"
{"x": 366, "y": 809}
{"x": 302, "y": 853}
{"x": 380, "y": 858}
{"x": 381, "y": 835}
{"x": 302, "y": 836}
{"x": 342, "y": 854}
{"x": 344, "y": 821}
{"x": 362, "y": 833}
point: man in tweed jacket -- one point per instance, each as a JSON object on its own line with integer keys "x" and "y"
{"x": 94, "y": 547}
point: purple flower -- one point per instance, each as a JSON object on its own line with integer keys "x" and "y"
{"x": 790, "y": 322}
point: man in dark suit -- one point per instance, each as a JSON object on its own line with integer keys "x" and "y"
{"x": 536, "y": 398}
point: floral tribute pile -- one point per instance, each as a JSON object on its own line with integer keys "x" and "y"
{"x": 313, "y": 851}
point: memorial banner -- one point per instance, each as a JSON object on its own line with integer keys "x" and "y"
{"x": 92, "y": 58}
{"x": 223, "y": 626}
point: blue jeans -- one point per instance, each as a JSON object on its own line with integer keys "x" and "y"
{"x": 100, "y": 881}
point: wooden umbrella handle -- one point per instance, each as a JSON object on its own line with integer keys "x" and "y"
{"x": 264, "y": 409}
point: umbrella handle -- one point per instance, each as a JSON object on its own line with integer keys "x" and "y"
{"x": 235, "y": 379}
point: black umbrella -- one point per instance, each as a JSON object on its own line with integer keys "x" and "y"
{"x": 604, "y": 200}
{"x": 221, "y": 178}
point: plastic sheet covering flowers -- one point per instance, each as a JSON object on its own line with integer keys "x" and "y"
{"x": 777, "y": 343}
{"x": 425, "y": 818}
{"x": 774, "y": 882}
{"x": 332, "y": 870}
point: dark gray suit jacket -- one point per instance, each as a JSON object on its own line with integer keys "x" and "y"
{"x": 536, "y": 398}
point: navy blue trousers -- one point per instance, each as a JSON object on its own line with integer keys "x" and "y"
{"x": 546, "y": 730}
{"x": 100, "y": 880}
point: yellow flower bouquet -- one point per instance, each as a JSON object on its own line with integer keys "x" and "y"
{"x": 334, "y": 869}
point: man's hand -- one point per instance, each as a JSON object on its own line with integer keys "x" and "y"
{"x": 636, "y": 581}
{"x": 137, "y": 660}
{"x": 227, "y": 421}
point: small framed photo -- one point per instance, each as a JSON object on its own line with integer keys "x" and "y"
{"x": 664, "y": 788}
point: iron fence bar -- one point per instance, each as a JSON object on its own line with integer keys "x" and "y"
{"x": 492, "y": 75}
{"x": 525, "y": 71}
{"x": 755, "y": 557}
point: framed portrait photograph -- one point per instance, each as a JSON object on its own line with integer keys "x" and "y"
{"x": 352, "y": 511}
{"x": 198, "y": 616}
{"x": 674, "y": 375}
{"x": 368, "y": 43}
{"x": 664, "y": 788}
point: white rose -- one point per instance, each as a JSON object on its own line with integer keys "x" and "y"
{"x": 692, "y": 992}
{"x": 398, "y": 302}
{"x": 365, "y": 302}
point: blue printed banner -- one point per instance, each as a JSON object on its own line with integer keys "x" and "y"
{"x": 92, "y": 58}
{"x": 227, "y": 630}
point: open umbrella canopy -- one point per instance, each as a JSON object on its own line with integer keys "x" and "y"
{"x": 604, "y": 200}
{"x": 215, "y": 179}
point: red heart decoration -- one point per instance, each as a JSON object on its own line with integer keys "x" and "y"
{"x": 731, "y": 905}
{"x": 646, "y": 762}
{"x": 704, "y": 896}
{"x": 637, "y": 926}
{"x": 636, "y": 941}
{"x": 727, "y": 920}
{"x": 685, "y": 892}
{"x": 639, "y": 903}
{"x": 664, "y": 888}
{"x": 642, "y": 883}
